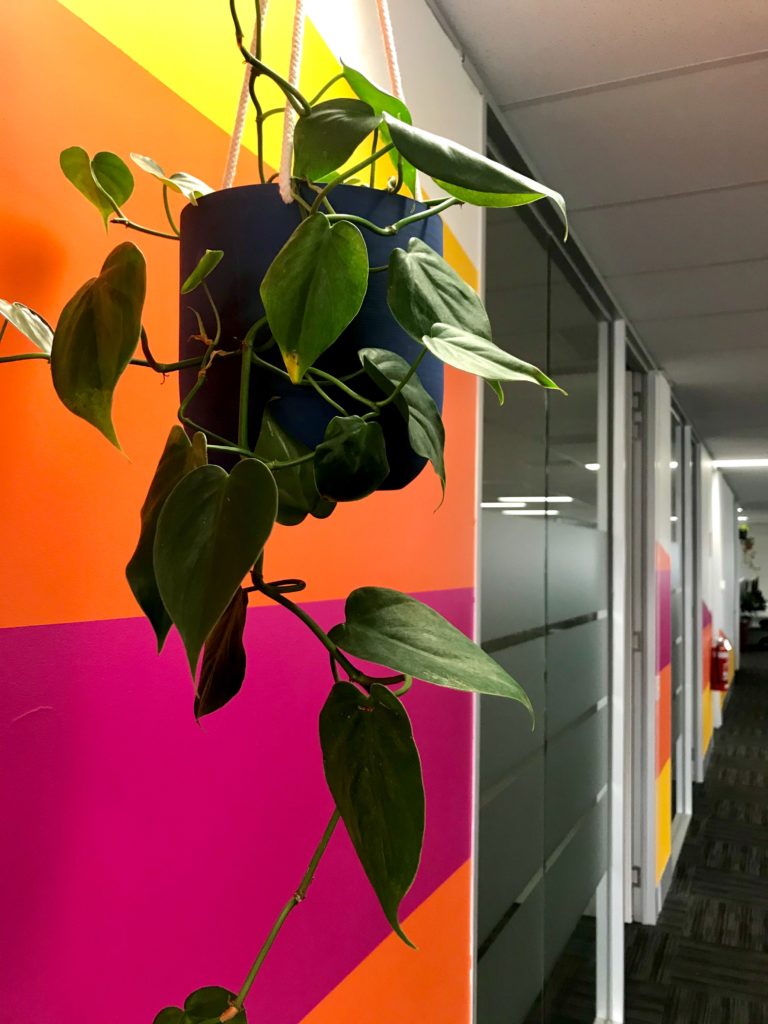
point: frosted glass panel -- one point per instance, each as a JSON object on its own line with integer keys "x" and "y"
{"x": 509, "y": 976}
{"x": 577, "y": 561}
{"x": 577, "y": 671}
{"x": 576, "y": 771}
{"x": 510, "y": 837}
{"x": 506, "y": 737}
{"x": 512, "y": 555}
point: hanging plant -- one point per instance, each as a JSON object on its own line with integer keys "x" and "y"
{"x": 313, "y": 333}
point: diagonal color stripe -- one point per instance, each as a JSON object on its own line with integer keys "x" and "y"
{"x": 394, "y": 983}
{"x": 148, "y": 847}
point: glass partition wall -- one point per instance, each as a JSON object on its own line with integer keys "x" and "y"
{"x": 542, "y": 836}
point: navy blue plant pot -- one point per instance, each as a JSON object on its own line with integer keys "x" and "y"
{"x": 250, "y": 225}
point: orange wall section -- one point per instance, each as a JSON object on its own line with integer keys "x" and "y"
{"x": 71, "y": 501}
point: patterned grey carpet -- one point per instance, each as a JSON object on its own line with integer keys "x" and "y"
{"x": 706, "y": 961}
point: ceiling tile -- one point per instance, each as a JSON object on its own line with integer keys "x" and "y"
{"x": 657, "y": 138}
{"x": 537, "y": 49}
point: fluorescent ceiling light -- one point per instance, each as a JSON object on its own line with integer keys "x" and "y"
{"x": 743, "y": 519}
{"x": 740, "y": 463}
{"x": 673, "y": 519}
{"x": 502, "y": 504}
{"x": 592, "y": 466}
{"x": 559, "y": 498}
{"x": 530, "y": 512}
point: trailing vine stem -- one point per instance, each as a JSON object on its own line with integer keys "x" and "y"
{"x": 297, "y": 898}
{"x": 392, "y": 229}
{"x": 133, "y": 226}
{"x": 299, "y": 102}
{"x": 350, "y": 173}
{"x": 168, "y": 214}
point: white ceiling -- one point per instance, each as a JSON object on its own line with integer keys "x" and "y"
{"x": 651, "y": 116}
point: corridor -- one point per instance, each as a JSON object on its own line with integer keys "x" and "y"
{"x": 706, "y": 961}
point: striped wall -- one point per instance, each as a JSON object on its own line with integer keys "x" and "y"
{"x": 663, "y": 711}
{"x": 150, "y": 855}
{"x": 706, "y": 693}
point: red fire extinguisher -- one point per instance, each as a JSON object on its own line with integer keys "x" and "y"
{"x": 720, "y": 670}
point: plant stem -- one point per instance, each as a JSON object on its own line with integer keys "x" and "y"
{"x": 216, "y": 317}
{"x": 140, "y": 227}
{"x": 374, "y": 144}
{"x": 298, "y": 461}
{"x": 234, "y": 448}
{"x": 245, "y": 388}
{"x": 327, "y": 397}
{"x": 350, "y": 174}
{"x": 294, "y": 901}
{"x": 168, "y": 213}
{"x": 340, "y": 384}
{"x": 268, "y": 366}
{"x": 392, "y": 229}
{"x": 399, "y": 387}
{"x": 292, "y": 94}
{"x": 326, "y": 87}
{"x": 25, "y": 355}
{"x": 4, "y": 328}
{"x": 168, "y": 367}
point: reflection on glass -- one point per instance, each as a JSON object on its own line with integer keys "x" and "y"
{"x": 542, "y": 836}
{"x": 676, "y": 581}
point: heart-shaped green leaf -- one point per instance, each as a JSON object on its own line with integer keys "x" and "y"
{"x": 97, "y": 334}
{"x": 395, "y": 630}
{"x": 29, "y": 323}
{"x": 210, "y": 259}
{"x": 314, "y": 289}
{"x": 425, "y": 427}
{"x": 468, "y": 352}
{"x": 297, "y": 494}
{"x": 351, "y": 460}
{"x": 223, "y": 668}
{"x": 179, "y": 458}
{"x": 374, "y": 774}
{"x": 465, "y": 174}
{"x": 207, "y": 1005}
{"x": 211, "y": 530}
{"x": 113, "y": 175}
{"x": 171, "y": 1015}
{"x": 187, "y": 184}
{"x": 327, "y": 137}
{"x": 105, "y": 181}
{"x": 382, "y": 102}
{"x": 423, "y": 289}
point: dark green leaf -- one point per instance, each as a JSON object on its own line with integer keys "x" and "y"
{"x": 395, "y": 630}
{"x": 314, "y": 288}
{"x": 210, "y": 532}
{"x": 423, "y": 289}
{"x": 497, "y": 389}
{"x": 328, "y": 136}
{"x": 425, "y": 427}
{"x": 208, "y": 1004}
{"x": 171, "y": 1015}
{"x": 96, "y": 336}
{"x": 223, "y": 669}
{"x": 480, "y": 356}
{"x": 297, "y": 494}
{"x": 351, "y": 460}
{"x": 374, "y": 774}
{"x": 382, "y": 103}
{"x": 113, "y": 175}
{"x": 179, "y": 458}
{"x": 189, "y": 186}
{"x": 208, "y": 262}
{"x": 465, "y": 174}
{"x": 29, "y": 323}
{"x": 77, "y": 168}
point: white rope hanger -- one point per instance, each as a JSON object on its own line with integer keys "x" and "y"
{"x": 289, "y": 121}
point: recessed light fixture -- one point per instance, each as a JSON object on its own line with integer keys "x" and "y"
{"x": 557, "y": 498}
{"x": 673, "y": 519}
{"x": 674, "y": 464}
{"x": 739, "y": 509}
{"x": 743, "y": 519}
{"x": 592, "y": 466}
{"x": 530, "y": 512}
{"x": 502, "y": 504}
{"x": 740, "y": 463}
